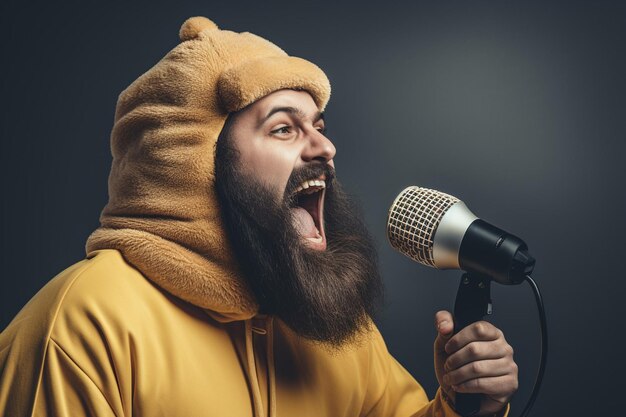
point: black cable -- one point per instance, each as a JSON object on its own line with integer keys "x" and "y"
{"x": 544, "y": 346}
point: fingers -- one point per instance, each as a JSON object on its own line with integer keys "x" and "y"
{"x": 480, "y": 369}
{"x": 475, "y": 351}
{"x": 493, "y": 386}
{"x": 477, "y": 359}
{"x": 478, "y": 331}
{"x": 484, "y": 365}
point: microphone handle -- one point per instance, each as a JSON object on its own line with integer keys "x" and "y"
{"x": 473, "y": 303}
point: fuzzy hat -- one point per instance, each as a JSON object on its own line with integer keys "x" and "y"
{"x": 163, "y": 214}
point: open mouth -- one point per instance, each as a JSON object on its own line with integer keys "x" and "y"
{"x": 308, "y": 212}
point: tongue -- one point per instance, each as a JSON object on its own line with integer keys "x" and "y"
{"x": 304, "y": 223}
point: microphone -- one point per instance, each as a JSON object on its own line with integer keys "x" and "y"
{"x": 438, "y": 230}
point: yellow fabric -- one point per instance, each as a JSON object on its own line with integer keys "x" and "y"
{"x": 102, "y": 340}
{"x": 162, "y": 212}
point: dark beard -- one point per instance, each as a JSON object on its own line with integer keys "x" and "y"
{"x": 324, "y": 296}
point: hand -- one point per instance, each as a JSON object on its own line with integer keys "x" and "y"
{"x": 476, "y": 360}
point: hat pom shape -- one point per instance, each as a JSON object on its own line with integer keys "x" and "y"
{"x": 163, "y": 213}
{"x": 194, "y": 25}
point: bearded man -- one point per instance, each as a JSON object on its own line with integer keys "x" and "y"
{"x": 231, "y": 275}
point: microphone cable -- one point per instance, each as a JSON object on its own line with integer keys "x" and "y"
{"x": 544, "y": 345}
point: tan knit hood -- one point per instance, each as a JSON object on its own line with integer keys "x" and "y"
{"x": 163, "y": 214}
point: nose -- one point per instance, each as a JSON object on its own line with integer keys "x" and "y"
{"x": 319, "y": 147}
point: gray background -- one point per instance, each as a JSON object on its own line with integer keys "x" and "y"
{"x": 516, "y": 108}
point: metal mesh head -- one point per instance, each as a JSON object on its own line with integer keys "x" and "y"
{"x": 413, "y": 219}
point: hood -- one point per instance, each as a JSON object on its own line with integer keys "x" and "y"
{"x": 163, "y": 214}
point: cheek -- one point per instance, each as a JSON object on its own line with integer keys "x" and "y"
{"x": 272, "y": 163}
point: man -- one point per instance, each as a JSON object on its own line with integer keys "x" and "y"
{"x": 230, "y": 276}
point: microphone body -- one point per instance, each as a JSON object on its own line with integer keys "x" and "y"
{"x": 438, "y": 230}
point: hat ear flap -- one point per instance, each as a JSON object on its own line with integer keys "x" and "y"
{"x": 194, "y": 25}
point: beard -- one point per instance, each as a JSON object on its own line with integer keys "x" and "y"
{"x": 323, "y": 296}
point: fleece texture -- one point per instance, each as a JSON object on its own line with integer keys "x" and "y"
{"x": 163, "y": 214}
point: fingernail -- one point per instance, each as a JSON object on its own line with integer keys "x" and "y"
{"x": 441, "y": 323}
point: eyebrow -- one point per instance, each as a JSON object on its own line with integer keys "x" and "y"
{"x": 293, "y": 111}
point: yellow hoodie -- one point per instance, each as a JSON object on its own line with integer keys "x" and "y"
{"x": 102, "y": 340}
{"x": 157, "y": 321}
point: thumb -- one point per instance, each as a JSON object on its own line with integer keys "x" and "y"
{"x": 444, "y": 323}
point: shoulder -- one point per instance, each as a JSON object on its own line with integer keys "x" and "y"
{"x": 95, "y": 296}
{"x": 71, "y": 340}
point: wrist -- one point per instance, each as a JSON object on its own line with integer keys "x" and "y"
{"x": 448, "y": 399}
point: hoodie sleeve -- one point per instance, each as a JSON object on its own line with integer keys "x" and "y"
{"x": 64, "y": 389}
{"x": 55, "y": 356}
{"x": 54, "y": 385}
{"x": 393, "y": 392}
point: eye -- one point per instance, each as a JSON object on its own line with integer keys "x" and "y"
{"x": 281, "y": 130}
{"x": 322, "y": 130}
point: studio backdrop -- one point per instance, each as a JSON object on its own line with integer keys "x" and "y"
{"x": 516, "y": 108}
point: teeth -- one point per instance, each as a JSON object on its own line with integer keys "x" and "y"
{"x": 314, "y": 185}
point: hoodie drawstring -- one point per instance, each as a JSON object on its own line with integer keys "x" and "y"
{"x": 270, "y": 366}
{"x": 257, "y": 401}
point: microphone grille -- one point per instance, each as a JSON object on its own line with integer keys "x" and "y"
{"x": 413, "y": 219}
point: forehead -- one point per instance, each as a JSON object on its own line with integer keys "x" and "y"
{"x": 301, "y": 100}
